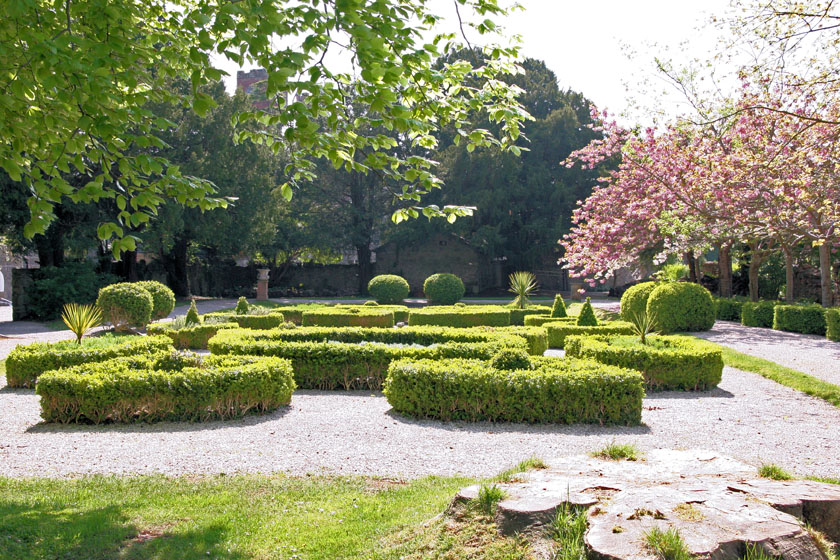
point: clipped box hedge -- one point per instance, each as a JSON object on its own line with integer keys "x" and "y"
{"x": 556, "y": 390}
{"x": 832, "y": 324}
{"x": 518, "y": 316}
{"x": 294, "y": 313}
{"x": 536, "y": 337}
{"x": 728, "y": 309}
{"x": 401, "y": 312}
{"x": 165, "y": 387}
{"x": 355, "y": 317}
{"x": 265, "y": 321}
{"x": 805, "y": 319}
{"x": 758, "y": 314}
{"x": 25, "y": 364}
{"x": 460, "y": 317}
{"x": 557, "y": 333}
{"x": 666, "y": 362}
{"x": 192, "y": 337}
{"x": 541, "y": 320}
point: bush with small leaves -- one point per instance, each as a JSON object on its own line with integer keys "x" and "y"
{"x": 192, "y": 317}
{"x": 163, "y": 299}
{"x": 758, "y": 313}
{"x": 388, "y": 288}
{"x": 125, "y": 305}
{"x": 443, "y": 289}
{"x": 832, "y": 324}
{"x": 510, "y": 359}
{"x": 242, "y": 306}
{"x": 587, "y": 316}
{"x": 558, "y": 309}
{"x": 370, "y": 303}
{"x": 681, "y": 307}
{"x": 635, "y": 298}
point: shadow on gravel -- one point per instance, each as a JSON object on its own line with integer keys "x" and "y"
{"x": 716, "y": 393}
{"x": 17, "y": 391}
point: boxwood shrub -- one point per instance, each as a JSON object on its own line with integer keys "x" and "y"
{"x": 259, "y": 322}
{"x": 758, "y": 314}
{"x": 805, "y": 319}
{"x": 165, "y": 387}
{"x": 536, "y": 337}
{"x": 348, "y": 317}
{"x": 294, "y": 313}
{"x": 401, "y": 312}
{"x": 634, "y": 299}
{"x": 125, "y": 305}
{"x": 163, "y": 299}
{"x": 666, "y": 362}
{"x": 193, "y": 337}
{"x": 728, "y": 309}
{"x": 518, "y": 316}
{"x": 25, "y": 364}
{"x": 388, "y": 288}
{"x": 467, "y": 316}
{"x": 681, "y": 306}
{"x": 555, "y": 390}
{"x": 557, "y": 332}
{"x": 443, "y": 289}
{"x": 540, "y": 320}
{"x": 832, "y": 324}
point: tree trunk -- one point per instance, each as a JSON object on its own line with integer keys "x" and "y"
{"x": 175, "y": 262}
{"x": 825, "y": 274}
{"x": 755, "y": 264}
{"x": 128, "y": 266}
{"x": 692, "y": 266}
{"x": 365, "y": 268}
{"x": 789, "y": 280}
{"x": 725, "y": 271}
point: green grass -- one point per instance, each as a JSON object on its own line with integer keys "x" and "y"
{"x": 785, "y": 376}
{"x": 568, "y": 530}
{"x": 819, "y": 479}
{"x": 488, "y": 496}
{"x": 667, "y": 545}
{"x": 755, "y": 553}
{"x": 510, "y": 475}
{"x": 618, "y": 451}
{"x": 772, "y": 471}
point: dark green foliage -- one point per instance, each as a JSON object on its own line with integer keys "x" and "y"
{"x": 517, "y": 316}
{"x": 557, "y": 332}
{"x": 194, "y": 337}
{"x": 74, "y": 282}
{"x": 536, "y": 337}
{"x": 348, "y": 317}
{"x": 587, "y": 316}
{"x": 667, "y": 363}
{"x": 681, "y": 306}
{"x": 562, "y": 391}
{"x": 266, "y": 321}
{"x": 125, "y": 305}
{"x": 805, "y": 319}
{"x": 242, "y": 306}
{"x": 728, "y": 309}
{"x": 136, "y": 389}
{"x": 192, "y": 317}
{"x": 558, "y": 309}
{"x": 540, "y": 320}
{"x": 509, "y": 359}
{"x": 25, "y": 363}
{"x": 163, "y": 300}
{"x": 758, "y": 314}
{"x": 443, "y": 289}
{"x": 635, "y": 298}
{"x": 400, "y": 311}
{"x": 468, "y": 316}
{"x": 388, "y": 288}
{"x": 832, "y": 324}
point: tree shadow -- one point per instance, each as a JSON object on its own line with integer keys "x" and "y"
{"x": 716, "y": 393}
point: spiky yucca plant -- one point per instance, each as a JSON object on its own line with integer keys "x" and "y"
{"x": 81, "y": 318}
{"x": 523, "y": 284}
{"x": 643, "y": 324}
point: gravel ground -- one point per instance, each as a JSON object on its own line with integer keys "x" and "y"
{"x": 811, "y": 354}
{"x": 748, "y": 417}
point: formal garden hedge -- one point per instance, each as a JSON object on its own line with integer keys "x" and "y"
{"x": 167, "y": 386}
{"x": 666, "y": 362}
{"x": 262, "y": 321}
{"x": 25, "y": 364}
{"x": 348, "y": 317}
{"x": 163, "y": 299}
{"x": 758, "y": 314}
{"x": 466, "y": 316}
{"x": 294, "y": 313}
{"x": 125, "y": 305}
{"x": 400, "y": 312}
{"x": 388, "y": 288}
{"x": 634, "y": 299}
{"x": 518, "y": 316}
{"x": 728, "y": 309}
{"x": 557, "y": 332}
{"x": 805, "y": 319}
{"x": 832, "y": 324}
{"x": 681, "y": 307}
{"x": 193, "y": 337}
{"x": 541, "y": 320}
{"x": 555, "y": 390}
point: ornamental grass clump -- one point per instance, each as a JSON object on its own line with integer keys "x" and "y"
{"x": 643, "y": 324}
{"x": 81, "y": 318}
{"x": 587, "y": 316}
{"x": 522, "y": 284}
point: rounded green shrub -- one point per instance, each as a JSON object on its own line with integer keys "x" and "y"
{"x": 443, "y": 289}
{"x": 163, "y": 299}
{"x": 388, "y": 288}
{"x": 125, "y": 305}
{"x": 681, "y": 306}
{"x": 635, "y": 298}
{"x": 242, "y": 306}
{"x": 510, "y": 359}
{"x": 370, "y": 303}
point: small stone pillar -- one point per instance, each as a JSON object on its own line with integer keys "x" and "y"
{"x": 262, "y": 283}
{"x": 575, "y": 286}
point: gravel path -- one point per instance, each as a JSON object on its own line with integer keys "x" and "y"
{"x": 811, "y": 354}
{"x": 748, "y": 417}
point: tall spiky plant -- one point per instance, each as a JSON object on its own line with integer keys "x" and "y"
{"x": 81, "y": 318}
{"x": 643, "y": 324}
{"x": 523, "y": 284}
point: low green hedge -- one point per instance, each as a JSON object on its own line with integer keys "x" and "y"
{"x": 401, "y": 312}
{"x": 666, "y": 362}
{"x": 266, "y": 321}
{"x": 556, "y": 390}
{"x": 557, "y": 332}
{"x": 518, "y": 316}
{"x": 25, "y": 364}
{"x": 294, "y": 313}
{"x": 536, "y": 337}
{"x": 193, "y": 337}
{"x": 728, "y": 309}
{"x": 165, "y": 387}
{"x": 832, "y": 324}
{"x": 541, "y": 320}
{"x": 466, "y": 316}
{"x": 348, "y": 317}
{"x": 805, "y": 319}
{"x": 758, "y": 314}
{"x": 349, "y": 365}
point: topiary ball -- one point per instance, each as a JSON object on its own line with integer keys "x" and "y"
{"x": 509, "y": 359}
{"x": 443, "y": 289}
{"x": 559, "y": 307}
{"x": 460, "y": 304}
{"x": 681, "y": 306}
{"x": 125, "y": 305}
{"x": 634, "y": 300}
{"x": 587, "y": 316}
{"x": 242, "y": 306}
{"x": 163, "y": 299}
{"x": 388, "y": 288}
{"x": 370, "y": 304}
